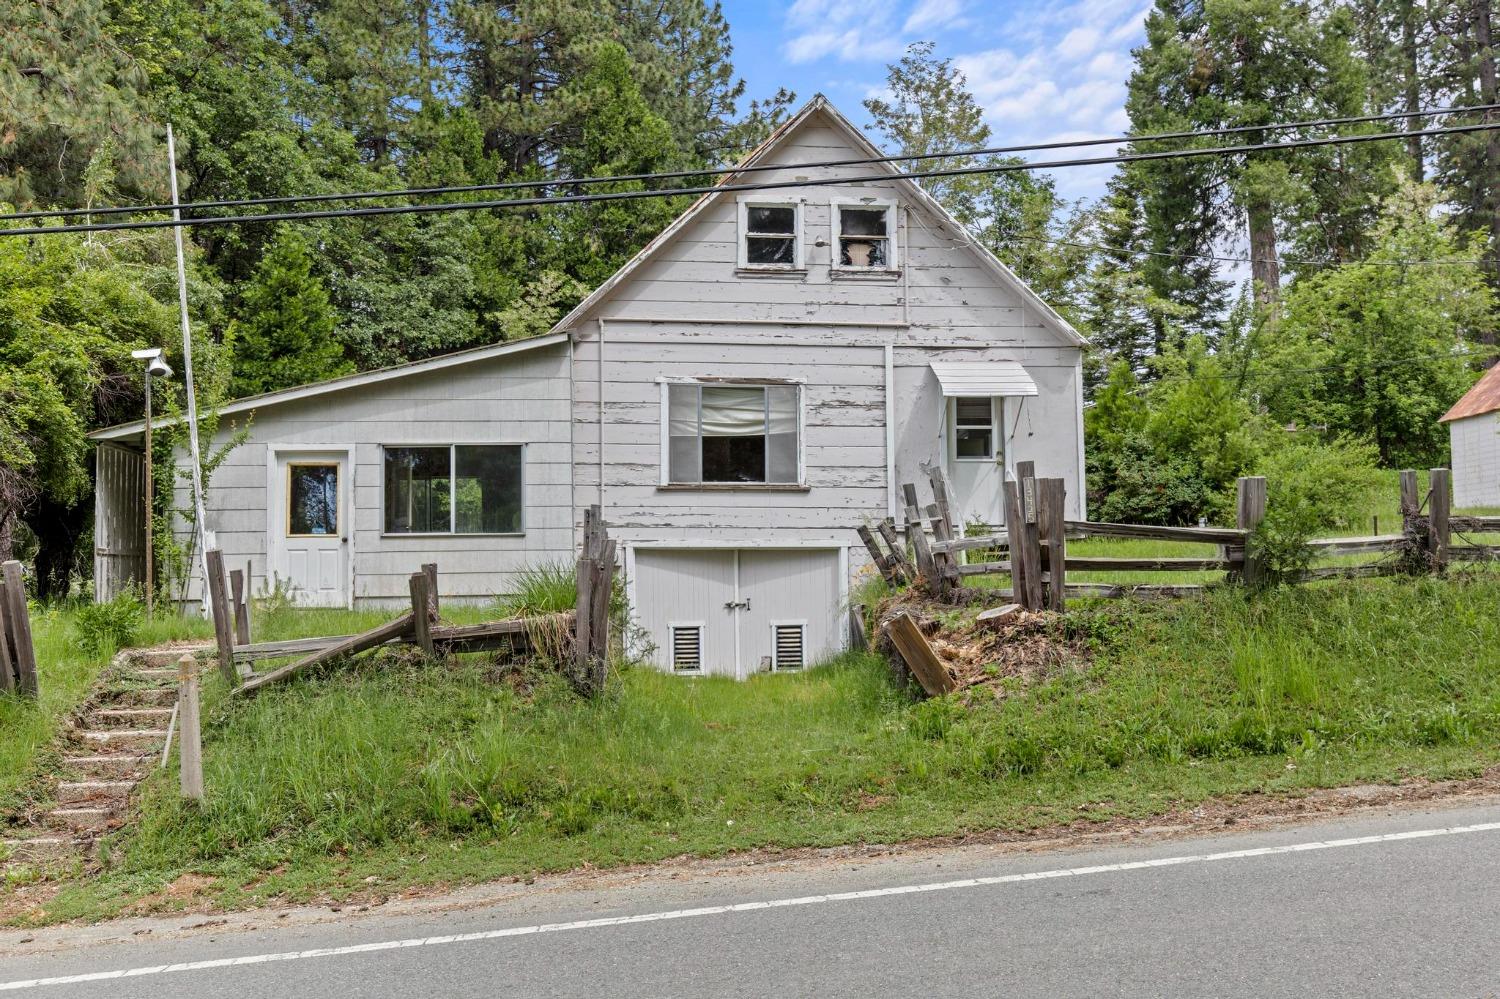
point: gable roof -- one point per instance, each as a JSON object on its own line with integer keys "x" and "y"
{"x": 914, "y": 191}
{"x": 1483, "y": 398}
{"x": 343, "y": 382}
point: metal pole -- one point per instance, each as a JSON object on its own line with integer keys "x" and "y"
{"x": 150, "y": 541}
{"x": 187, "y": 374}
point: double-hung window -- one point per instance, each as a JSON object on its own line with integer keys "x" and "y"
{"x": 454, "y": 489}
{"x": 770, "y": 235}
{"x": 732, "y": 433}
{"x": 974, "y": 430}
{"x": 863, "y": 234}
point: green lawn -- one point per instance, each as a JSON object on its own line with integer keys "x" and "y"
{"x": 412, "y": 773}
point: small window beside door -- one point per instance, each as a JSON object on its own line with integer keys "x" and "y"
{"x": 454, "y": 489}
{"x": 312, "y": 506}
{"x": 733, "y": 434}
{"x": 974, "y": 431}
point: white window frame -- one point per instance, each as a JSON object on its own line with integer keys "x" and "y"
{"x": 835, "y": 219}
{"x": 743, "y": 232}
{"x": 997, "y": 420}
{"x": 664, "y": 479}
{"x": 452, "y": 531}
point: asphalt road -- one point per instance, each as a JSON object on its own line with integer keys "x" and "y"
{"x": 1400, "y": 903}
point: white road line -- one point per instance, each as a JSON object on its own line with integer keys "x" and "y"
{"x": 719, "y": 910}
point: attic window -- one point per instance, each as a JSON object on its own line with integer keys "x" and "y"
{"x": 862, "y": 234}
{"x": 770, "y": 235}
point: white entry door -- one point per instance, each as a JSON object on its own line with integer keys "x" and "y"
{"x": 310, "y": 529}
{"x": 976, "y": 459}
{"x": 729, "y": 612}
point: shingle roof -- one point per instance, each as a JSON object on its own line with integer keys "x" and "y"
{"x": 1483, "y": 398}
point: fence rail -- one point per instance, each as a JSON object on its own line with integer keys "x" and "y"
{"x": 1033, "y": 548}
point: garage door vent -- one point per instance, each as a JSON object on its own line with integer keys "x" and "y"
{"x": 789, "y": 645}
{"x": 687, "y": 646}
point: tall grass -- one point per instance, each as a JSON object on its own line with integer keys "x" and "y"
{"x": 1234, "y": 692}
{"x": 546, "y": 588}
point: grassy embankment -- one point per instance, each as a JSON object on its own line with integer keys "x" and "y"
{"x": 436, "y": 774}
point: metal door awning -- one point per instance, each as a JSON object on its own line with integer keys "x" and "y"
{"x": 981, "y": 378}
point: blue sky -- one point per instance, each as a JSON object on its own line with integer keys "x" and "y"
{"x": 1042, "y": 70}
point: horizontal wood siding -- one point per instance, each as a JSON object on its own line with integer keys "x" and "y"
{"x": 522, "y": 398}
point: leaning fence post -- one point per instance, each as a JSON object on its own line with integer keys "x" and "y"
{"x": 1438, "y": 509}
{"x": 189, "y": 736}
{"x": 20, "y": 628}
{"x": 1249, "y": 511}
{"x": 218, "y": 599}
{"x": 7, "y": 658}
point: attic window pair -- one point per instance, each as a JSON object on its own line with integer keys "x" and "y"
{"x": 772, "y": 235}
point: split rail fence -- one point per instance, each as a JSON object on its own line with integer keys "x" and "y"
{"x": 1033, "y": 549}
{"x": 17, "y": 649}
{"x": 579, "y": 637}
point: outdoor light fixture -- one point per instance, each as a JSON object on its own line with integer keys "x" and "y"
{"x": 156, "y": 367}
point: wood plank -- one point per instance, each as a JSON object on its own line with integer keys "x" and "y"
{"x": 1353, "y": 571}
{"x": 430, "y": 568}
{"x": 1207, "y": 535}
{"x": 887, "y": 529}
{"x": 584, "y": 605}
{"x": 1473, "y": 525}
{"x": 858, "y": 640}
{"x": 1439, "y": 506}
{"x": 7, "y": 657}
{"x": 985, "y": 568}
{"x": 604, "y": 577}
{"x": 1051, "y": 497}
{"x": 1250, "y": 510}
{"x": 917, "y": 535}
{"x": 218, "y": 599}
{"x": 421, "y": 610}
{"x": 946, "y": 564}
{"x": 1410, "y": 500}
{"x": 1473, "y": 553}
{"x": 1014, "y": 526}
{"x": 20, "y": 629}
{"x": 1358, "y": 546}
{"x": 887, "y": 571}
{"x": 1030, "y": 553}
{"x": 1077, "y": 563}
{"x": 918, "y": 655}
{"x": 241, "y": 611}
{"x": 974, "y": 544}
{"x": 398, "y": 628}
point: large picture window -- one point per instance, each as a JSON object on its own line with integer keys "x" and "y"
{"x": 732, "y": 433}
{"x": 453, "y": 489}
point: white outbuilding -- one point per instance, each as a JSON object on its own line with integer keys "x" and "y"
{"x": 1474, "y": 433}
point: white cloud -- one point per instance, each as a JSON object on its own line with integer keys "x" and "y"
{"x": 838, "y": 28}
{"x": 1078, "y": 42}
{"x": 931, "y": 14}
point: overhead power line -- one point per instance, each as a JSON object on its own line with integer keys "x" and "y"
{"x": 606, "y": 196}
{"x": 525, "y": 185}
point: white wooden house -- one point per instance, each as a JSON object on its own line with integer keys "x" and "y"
{"x": 741, "y": 395}
{"x": 1474, "y": 433}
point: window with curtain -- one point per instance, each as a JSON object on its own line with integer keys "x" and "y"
{"x": 454, "y": 489}
{"x": 720, "y": 433}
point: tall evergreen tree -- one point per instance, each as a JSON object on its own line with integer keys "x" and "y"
{"x": 284, "y": 334}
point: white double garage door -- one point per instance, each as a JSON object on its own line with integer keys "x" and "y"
{"x": 738, "y": 611}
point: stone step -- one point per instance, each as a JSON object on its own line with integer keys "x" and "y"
{"x": 73, "y": 792}
{"x": 102, "y": 766}
{"x": 125, "y": 738}
{"x": 159, "y": 658}
{"x": 81, "y": 817}
{"x": 142, "y": 697}
{"x": 112, "y": 718}
{"x": 34, "y": 849}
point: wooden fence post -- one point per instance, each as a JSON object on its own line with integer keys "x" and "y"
{"x": 887, "y": 569}
{"x": 430, "y": 568}
{"x": 1438, "y": 509}
{"x": 944, "y": 562}
{"x": 7, "y": 657}
{"x": 584, "y": 616}
{"x": 1411, "y": 501}
{"x": 604, "y": 579}
{"x": 20, "y": 629}
{"x": 1015, "y": 529}
{"x": 241, "y": 610}
{"x": 1031, "y": 539}
{"x": 917, "y": 535}
{"x": 1249, "y": 511}
{"x": 218, "y": 598}
{"x": 887, "y": 529}
{"x": 1051, "y": 497}
{"x": 190, "y": 735}
{"x": 421, "y": 612}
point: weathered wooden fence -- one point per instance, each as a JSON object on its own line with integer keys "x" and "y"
{"x": 579, "y": 639}
{"x": 1033, "y": 549}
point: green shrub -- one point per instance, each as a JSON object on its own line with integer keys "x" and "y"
{"x": 105, "y": 628}
{"x": 1312, "y": 487}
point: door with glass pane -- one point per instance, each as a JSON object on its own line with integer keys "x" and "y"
{"x": 976, "y": 459}
{"x": 311, "y": 549}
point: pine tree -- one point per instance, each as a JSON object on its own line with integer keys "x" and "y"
{"x": 284, "y": 334}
